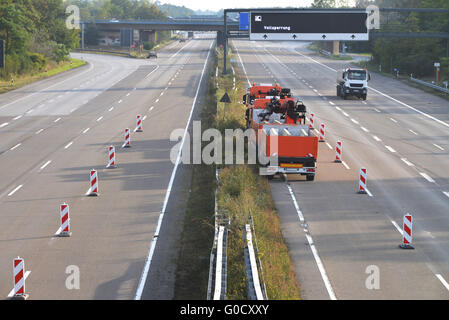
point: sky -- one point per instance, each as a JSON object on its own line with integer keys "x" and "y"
{"x": 214, "y": 5}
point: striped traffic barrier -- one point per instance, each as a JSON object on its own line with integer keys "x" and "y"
{"x": 139, "y": 124}
{"x": 338, "y": 152}
{"x": 322, "y": 133}
{"x": 93, "y": 191}
{"x": 407, "y": 232}
{"x": 312, "y": 121}
{"x": 362, "y": 181}
{"x": 127, "y": 143}
{"x": 111, "y": 161}
{"x": 65, "y": 221}
{"x": 19, "y": 278}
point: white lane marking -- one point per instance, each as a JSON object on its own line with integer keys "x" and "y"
{"x": 346, "y": 165}
{"x": 427, "y": 177}
{"x": 16, "y": 146}
{"x": 318, "y": 261}
{"x": 18, "y": 117}
{"x": 446, "y": 193}
{"x": 128, "y": 94}
{"x": 377, "y": 110}
{"x": 45, "y": 165}
{"x": 385, "y": 95}
{"x": 338, "y": 108}
{"x": 157, "y": 100}
{"x": 29, "y": 111}
{"x": 364, "y": 102}
{"x": 99, "y": 119}
{"x": 439, "y": 147}
{"x": 444, "y": 282}
{"x": 355, "y": 121}
{"x": 346, "y": 115}
{"x": 368, "y": 192}
{"x": 315, "y": 90}
{"x": 407, "y": 162}
{"x": 120, "y": 101}
{"x": 144, "y": 118}
{"x": 110, "y": 109}
{"x": 394, "y": 120}
{"x": 151, "y": 108}
{"x": 146, "y": 268}
{"x": 4, "y": 124}
{"x": 162, "y": 93}
{"x": 85, "y": 130}
{"x": 397, "y": 227}
{"x": 364, "y": 129}
{"x": 330, "y": 147}
{"x": 377, "y": 138}
{"x": 413, "y": 132}
{"x": 412, "y": 108}
{"x": 15, "y": 190}
{"x": 57, "y": 120}
{"x": 39, "y": 131}
{"x": 390, "y": 149}
{"x": 25, "y": 276}
{"x": 68, "y": 145}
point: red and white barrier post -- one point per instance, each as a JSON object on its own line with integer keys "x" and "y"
{"x": 338, "y": 152}
{"x": 65, "y": 221}
{"x": 322, "y": 133}
{"x": 407, "y": 232}
{"x": 127, "y": 143}
{"x": 311, "y": 119}
{"x": 111, "y": 162}
{"x": 139, "y": 124}
{"x": 93, "y": 191}
{"x": 19, "y": 278}
{"x": 362, "y": 181}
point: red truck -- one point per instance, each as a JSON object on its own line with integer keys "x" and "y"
{"x": 297, "y": 148}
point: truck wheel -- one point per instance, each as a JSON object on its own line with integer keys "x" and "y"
{"x": 310, "y": 177}
{"x": 270, "y": 176}
{"x": 338, "y": 91}
{"x": 344, "y": 96}
{"x": 364, "y": 97}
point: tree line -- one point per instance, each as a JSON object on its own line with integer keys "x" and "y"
{"x": 35, "y": 33}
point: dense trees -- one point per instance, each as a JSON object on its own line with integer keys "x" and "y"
{"x": 34, "y": 32}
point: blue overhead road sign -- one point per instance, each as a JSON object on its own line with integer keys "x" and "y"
{"x": 244, "y": 21}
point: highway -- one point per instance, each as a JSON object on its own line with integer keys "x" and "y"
{"x": 335, "y": 236}
{"x": 54, "y": 131}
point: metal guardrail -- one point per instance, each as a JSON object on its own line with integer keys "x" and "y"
{"x": 254, "y": 275}
{"x": 430, "y": 85}
{"x": 326, "y": 53}
{"x": 216, "y": 287}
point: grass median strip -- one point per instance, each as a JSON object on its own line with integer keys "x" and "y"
{"x": 242, "y": 192}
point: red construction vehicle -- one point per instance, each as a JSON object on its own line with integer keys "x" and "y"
{"x": 297, "y": 148}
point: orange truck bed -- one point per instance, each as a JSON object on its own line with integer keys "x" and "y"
{"x": 297, "y": 150}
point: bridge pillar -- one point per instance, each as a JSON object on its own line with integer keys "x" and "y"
{"x": 336, "y": 48}
{"x": 147, "y": 36}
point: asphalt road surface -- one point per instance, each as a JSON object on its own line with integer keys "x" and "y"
{"x": 53, "y": 132}
{"x": 344, "y": 245}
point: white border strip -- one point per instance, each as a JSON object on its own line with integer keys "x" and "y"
{"x": 319, "y": 263}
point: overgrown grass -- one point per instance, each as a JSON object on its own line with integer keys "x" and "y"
{"x": 52, "y": 69}
{"x": 242, "y": 191}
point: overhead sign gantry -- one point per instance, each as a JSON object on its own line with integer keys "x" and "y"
{"x": 309, "y": 25}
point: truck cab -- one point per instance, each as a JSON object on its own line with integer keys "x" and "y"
{"x": 353, "y": 82}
